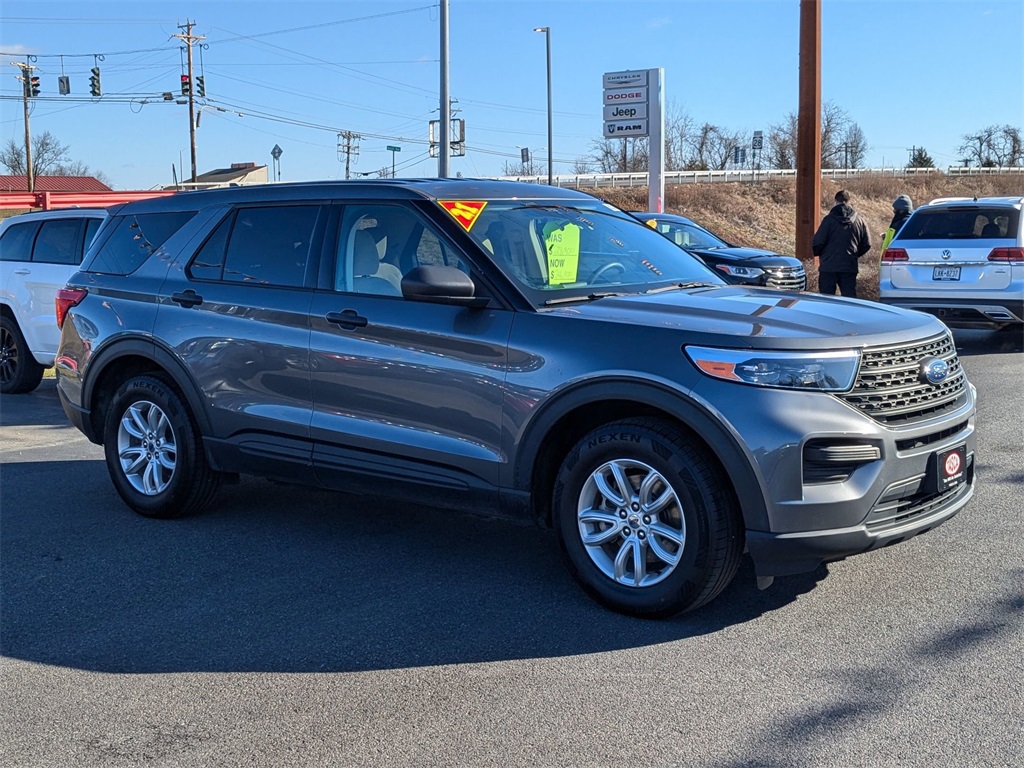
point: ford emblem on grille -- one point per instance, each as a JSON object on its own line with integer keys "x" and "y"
{"x": 933, "y": 370}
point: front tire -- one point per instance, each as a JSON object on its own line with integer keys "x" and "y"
{"x": 647, "y": 524}
{"x": 154, "y": 451}
{"x": 19, "y": 371}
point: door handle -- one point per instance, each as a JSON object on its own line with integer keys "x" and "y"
{"x": 348, "y": 319}
{"x": 23, "y": 272}
{"x": 187, "y": 298}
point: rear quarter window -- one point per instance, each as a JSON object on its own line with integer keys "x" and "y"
{"x": 134, "y": 238}
{"x": 962, "y": 223}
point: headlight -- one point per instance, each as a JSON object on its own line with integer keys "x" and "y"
{"x": 747, "y": 272}
{"x": 822, "y": 371}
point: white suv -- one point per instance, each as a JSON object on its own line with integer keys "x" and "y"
{"x": 38, "y": 253}
{"x": 960, "y": 259}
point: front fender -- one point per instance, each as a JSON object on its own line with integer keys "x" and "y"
{"x": 729, "y": 449}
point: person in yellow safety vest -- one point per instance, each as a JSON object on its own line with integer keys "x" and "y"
{"x": 901, "y": 210}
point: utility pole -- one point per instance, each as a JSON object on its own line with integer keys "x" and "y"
{"x": 26, "y": 80}
{"x": 444, "y": 151}
{"x": 350, "y": 148}
{"x": 913, "y": 152}
{"x": 189, "y": 39}
{"x": 808, "y": 145}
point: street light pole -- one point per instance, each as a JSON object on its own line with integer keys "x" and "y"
{"x": 547, "y": 39}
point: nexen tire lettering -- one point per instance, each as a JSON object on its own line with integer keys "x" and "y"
{"x": 622, "y": 437}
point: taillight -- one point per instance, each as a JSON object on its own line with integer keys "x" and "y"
{"x": 66, "y": 299}
{"x": 1006, "y": 254}
{"x": 894, "y": 254}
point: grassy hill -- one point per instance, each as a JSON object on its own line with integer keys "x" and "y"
{"x": 763, "y": 215}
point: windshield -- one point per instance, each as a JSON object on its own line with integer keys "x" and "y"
{"x": 685, "y": 235}
{"x": 556, "y": 250}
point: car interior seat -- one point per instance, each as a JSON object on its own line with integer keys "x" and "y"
{"x": 366, "y": 268}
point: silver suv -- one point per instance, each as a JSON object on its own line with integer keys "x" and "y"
{"x": 960, "y": 259}
{"x": 39, "y": 251}
{"x": 511, "y": 349}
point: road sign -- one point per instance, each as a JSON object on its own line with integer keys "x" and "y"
{"x": 758, "y": 141}
{"x": 622, "y": 129}
{"x": 394, "y": 149}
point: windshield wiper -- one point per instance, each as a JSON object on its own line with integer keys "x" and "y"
{"x": 682, "y": 287}
{"x": 588, "y": 297}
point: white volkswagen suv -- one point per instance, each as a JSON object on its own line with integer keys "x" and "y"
{"x": 960, "y": 259}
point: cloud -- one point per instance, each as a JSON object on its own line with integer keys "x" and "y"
{"x": 664, "y": 21}
{"x": 16, "y": 49}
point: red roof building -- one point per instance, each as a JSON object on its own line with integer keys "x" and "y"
{"x": 53, "y": 184}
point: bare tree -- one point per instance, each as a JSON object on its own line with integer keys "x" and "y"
{"x": 621, "y": 155}
{"x": 582, "y": 165}
{"x": 678, "y": 129}
{"x": 781, "y": 141}
{"x": 529, "y": 168}
{"x": 835, "y": 122}
{"x": 855, "y": 146}
{"x": 994, "y": 145}
{"x": 49, "y": 158}
{"x": 842, "y": 140}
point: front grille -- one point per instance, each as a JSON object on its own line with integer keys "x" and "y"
{"x": 889, "y": 388}
{"x": 786, "y": 278}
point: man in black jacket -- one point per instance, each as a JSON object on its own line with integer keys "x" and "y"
{"x": 839, "y": 242}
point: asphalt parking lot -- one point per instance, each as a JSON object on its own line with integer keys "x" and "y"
{"x": 289, "y": 627}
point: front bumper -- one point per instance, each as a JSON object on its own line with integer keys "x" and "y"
{"x": 818, "y": 512}
{"x": 784, "y": 554}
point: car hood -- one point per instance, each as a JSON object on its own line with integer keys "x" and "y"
{"x": 740, "y": 316}
{"x": 754, "y": 256}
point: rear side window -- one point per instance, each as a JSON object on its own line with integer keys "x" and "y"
{"x": 16, "y": 243}
{"x": 962, "y": 223}
{"x": 134, "y": 239}
{"x": 58, "y": 242}
{"x": 266, "y": 246}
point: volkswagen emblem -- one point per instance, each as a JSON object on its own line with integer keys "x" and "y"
{"x": 947, "y": 254}
{"x": 933, "y": 370}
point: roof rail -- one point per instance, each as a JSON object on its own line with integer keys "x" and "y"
{"x": 939, "y": 200}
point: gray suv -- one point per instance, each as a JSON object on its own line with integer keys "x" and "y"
{"x": 516, "y": 350}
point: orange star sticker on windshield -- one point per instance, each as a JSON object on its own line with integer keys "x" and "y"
{"x": 463, "y": 211}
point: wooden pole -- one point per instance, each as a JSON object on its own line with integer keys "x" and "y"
{"x": 808, "y": 150}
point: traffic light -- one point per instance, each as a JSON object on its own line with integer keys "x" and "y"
{"x": 200, "y": 86}
{"x": 94, "y": 82}
{"x": 33, "y": 86}
{"x": 186, "y": 85}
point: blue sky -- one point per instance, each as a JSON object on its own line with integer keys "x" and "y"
{"x": 909, "y": 72}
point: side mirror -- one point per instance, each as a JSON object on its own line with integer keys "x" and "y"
{"x": 441, "y": 285}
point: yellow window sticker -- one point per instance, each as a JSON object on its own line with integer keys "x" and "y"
{"x": 563, "y": 247}
{"x": 463, "y": 211}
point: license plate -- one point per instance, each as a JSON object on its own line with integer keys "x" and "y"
{"x": 949, "y": 468}
{"x": 946, "y": 273}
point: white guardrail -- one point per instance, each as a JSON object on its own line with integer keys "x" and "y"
{"x": 746, "y": 174}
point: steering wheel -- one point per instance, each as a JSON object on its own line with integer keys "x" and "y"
{"x": 599, "y": 272}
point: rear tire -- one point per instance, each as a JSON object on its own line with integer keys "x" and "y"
{"x": 19, "y": 371}
{"x": 646, "y": 522}
{"x": 154, "y": 451}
